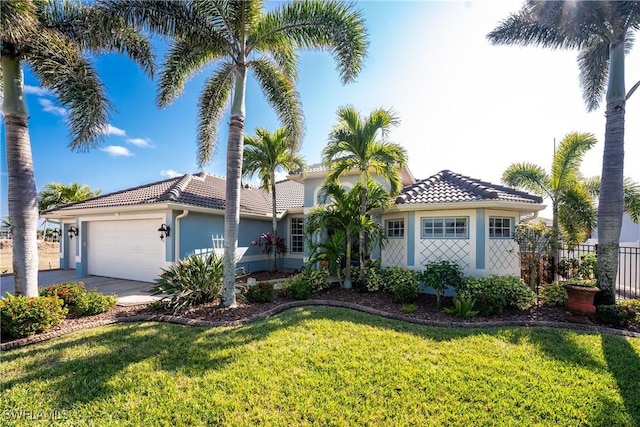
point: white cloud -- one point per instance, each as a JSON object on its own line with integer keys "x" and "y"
{"x": 37, "y": 90}
{"x": 117, "y": 151}
{"x": 170, "y": 173}
{"x": 112, "y": 130}
{"x": 140, "y": 142}
{"x": 49, "y": 107}
{"x": 281, "y": 176}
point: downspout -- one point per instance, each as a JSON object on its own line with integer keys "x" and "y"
{"x": 176, "y": 236}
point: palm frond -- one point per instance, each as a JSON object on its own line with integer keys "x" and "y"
{"x": 280, "y": 92}
{"x": 19, "y": 22}
{"x": 592, "y": 185}
{"x": 593, "y": 62}
{"x": 632, "y": 199}
{"x": 530, "y": 177}
{"x": 568, "y": 157}
{"x": 61, "y": 67}
{"x": 314, "y": 24}
{"x": 184, "y": 59}
{"x": 576, "y": 214}
{"x": 213, "y": 100}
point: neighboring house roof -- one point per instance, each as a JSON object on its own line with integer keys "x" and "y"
{"x": 321, "y": 170}
{"x": 451, "y": 187}
{"x": 201, "y": 190}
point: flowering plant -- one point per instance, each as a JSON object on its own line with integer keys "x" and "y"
{"x": 270, "y": 243}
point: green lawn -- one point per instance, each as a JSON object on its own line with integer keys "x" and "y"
{"x": 323, "y": 366}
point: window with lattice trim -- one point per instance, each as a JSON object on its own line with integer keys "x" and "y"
{"x": 394, "y": 228}
{"x": 445, "y": 228}
{"x": 499, "y": 228}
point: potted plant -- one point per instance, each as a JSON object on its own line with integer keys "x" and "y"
{"x": 581, "y": 293}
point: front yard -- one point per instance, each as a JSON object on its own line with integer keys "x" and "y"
{"x": 324, "y": 366}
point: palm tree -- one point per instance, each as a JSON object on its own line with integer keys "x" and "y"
{"x": 235, "y": 37}
{"x": 602, "y": 31}
{"x": 631, "y": 195}
{"x": 361, "y": 144}
{"x": 563, "y": 186}
{"x": 265, "y": 154}
{"x": 56, "y": 194}
{"x": 342, "y": 215}
{"x": 51, "y": 39}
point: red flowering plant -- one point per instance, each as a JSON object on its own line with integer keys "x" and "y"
{"x": 269, "y": 243}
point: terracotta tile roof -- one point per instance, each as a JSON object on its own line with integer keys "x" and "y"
{"x": 201, "y": 190}
{"x": 451, "y": 187}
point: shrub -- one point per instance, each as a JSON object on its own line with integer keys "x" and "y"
{"x": 67, "y": 292}
{"x": 261, "y": 292}
{"x": 297, "y": 288}
{"x": 373, "y": 278}
{"x": 554, "y": 294}
{"x": 23, "y": 316}
{"x": 318, "y": 279}
{"x": 621, "y": 315}
{"x": 409, "y": 308}
{"x": 495, "y": 293}
{"x": 441, "y": 275}
{"x": 78, "y": 300}
{"x": 394, "y": 276}
{"x": 93, "y": 302}
{"x": 462, "y": 307}
{"x": 195, "y": 280}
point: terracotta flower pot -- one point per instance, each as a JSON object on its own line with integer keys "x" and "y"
{"x": 580, "y": 300}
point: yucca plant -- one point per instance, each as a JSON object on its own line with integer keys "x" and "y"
{"x": 462, "y": 307}
{"x": 195, "y": 280}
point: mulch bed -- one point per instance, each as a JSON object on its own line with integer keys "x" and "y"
{"x": 376, "y": 303}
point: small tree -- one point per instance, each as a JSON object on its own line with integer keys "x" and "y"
{"x": 441, "y": 275}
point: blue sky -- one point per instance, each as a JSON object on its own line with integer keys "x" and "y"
{"x": 464, "y": 105}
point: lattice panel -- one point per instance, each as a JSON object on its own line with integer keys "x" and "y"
{"x": 394, "y": 253}
{"x": 503, "y": 257}
{"x": 456, "y": 250}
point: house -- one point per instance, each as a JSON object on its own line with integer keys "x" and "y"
{"x": 446, "y": 216}
{"x": 629, "y": 233}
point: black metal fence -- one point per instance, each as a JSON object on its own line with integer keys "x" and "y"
{"x": 628, "y": 280}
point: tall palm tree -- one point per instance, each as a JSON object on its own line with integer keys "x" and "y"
{"x": 563, "y": 186}
{"x": 603, "y": 32}
{"x": 361, "y": 144}
{"x": 235, "y": 37}
{"x": 342, "y": 215}
{"x": 52, "y": 39}
{"x": 265, "y": 154}
{"x": 55, "y": 194}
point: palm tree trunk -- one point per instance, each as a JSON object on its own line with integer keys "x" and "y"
{"x": 22, "y": 194}
{"x": 347, "y": 270}
{"x": 233, "y": 187}
{"x": 274, "y": 222}
{"x": 611, "y": 200}
{"x": 363, "y": 211}
{"x": 555, "y": 237}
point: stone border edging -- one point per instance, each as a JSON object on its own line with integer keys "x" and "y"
{"x": 22, "y": 342}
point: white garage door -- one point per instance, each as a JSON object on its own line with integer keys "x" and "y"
{"x": 125, "y": 249}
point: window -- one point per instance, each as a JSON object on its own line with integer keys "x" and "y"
{"x": 395, "y": 228}
{"x": 445, "y": 228}
{"x": 499, "y": 228}
{"x": 297, "y": 236}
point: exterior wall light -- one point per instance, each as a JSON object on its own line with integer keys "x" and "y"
{"x": 73, "y": 231}
{"x": 165, "y": 231}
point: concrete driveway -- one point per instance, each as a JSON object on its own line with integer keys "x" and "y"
{"x": 129, "y": 292}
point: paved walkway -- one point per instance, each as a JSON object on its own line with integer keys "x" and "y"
{"x": 129, "y": 292}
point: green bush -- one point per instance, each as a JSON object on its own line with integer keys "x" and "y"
{"x": 318, "y": 279}
{"x": 78, "y": 300}
{"x": 23, "y": 316}
{"x": 394, "y": 276}
{"x": 493, "y": 294}
{"x": 297, "y": 288}
{"x": 621, "y": 315}
{"x": 373, "y": 278}
{"x": 195, "y": 280}
{"x": 409, "y": 308}
{"x": 261, "y": 292}
{"x": 93, "y": 302}
{"x": 554, "y": 294}
{"x": 441, "y": 275}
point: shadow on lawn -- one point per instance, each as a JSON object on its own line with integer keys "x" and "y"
{"x": 106, "y": 353}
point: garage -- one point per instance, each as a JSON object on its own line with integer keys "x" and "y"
{"x": 125, "y": 249}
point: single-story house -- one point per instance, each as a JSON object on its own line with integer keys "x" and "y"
{"x": 133, "y": 233}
